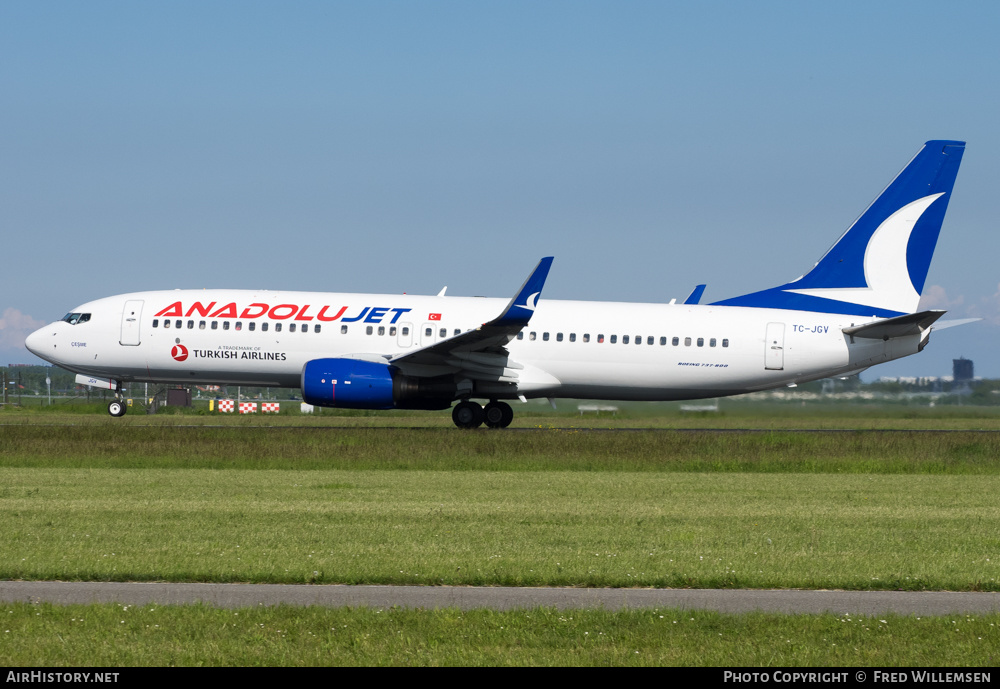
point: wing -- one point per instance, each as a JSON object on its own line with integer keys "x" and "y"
{"x": 481, "y": 354}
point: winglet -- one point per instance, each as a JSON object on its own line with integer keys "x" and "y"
{"x": 521, "y": 307}
{"x": 695, "y": 295}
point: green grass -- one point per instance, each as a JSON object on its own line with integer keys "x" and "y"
{"x": 366, "y": 499}
{"x": 527, "y": 528}
{"x": 112, "y": 445}
{"x": 734, "y": 413}
{"x": 121, "y": 636}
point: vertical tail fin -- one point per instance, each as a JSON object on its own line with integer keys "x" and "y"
{"x": 878, "y": 267}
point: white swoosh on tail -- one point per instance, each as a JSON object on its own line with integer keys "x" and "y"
{"x": 886, "y": 273}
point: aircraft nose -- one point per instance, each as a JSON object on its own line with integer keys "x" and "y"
{"x": 35, "y": 342}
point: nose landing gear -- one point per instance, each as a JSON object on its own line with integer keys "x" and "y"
{"x": 468, "y": 414}
{"x": 117, "y": 406}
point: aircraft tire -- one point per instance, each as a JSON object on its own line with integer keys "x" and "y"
{"x": 467, "y": 415}
{"x": 498, "y": 414}
{"x": 117, "y": 408}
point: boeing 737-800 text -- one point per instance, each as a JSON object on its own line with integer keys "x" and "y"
{"x": 855, "y": 308}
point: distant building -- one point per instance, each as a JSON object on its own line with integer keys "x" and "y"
{"x": 962, "y": 369}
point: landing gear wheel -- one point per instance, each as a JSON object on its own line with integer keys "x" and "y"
{"x": 498, "y": 414}
{"x": 117, "y": 408}
{"x": 467, "y": 415}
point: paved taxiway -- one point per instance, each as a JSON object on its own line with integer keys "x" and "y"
{"x": 503, "y": 598}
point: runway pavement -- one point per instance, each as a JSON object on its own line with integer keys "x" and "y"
{"x": 503, "y": 598}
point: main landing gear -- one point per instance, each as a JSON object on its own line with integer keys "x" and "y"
{"x": 117, "y": 406}
{"x": 468, "y": 414}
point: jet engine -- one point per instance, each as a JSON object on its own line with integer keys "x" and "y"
{"x": 358, "y": 384}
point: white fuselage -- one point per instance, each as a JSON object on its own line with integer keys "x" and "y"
{"x": 593, "y": 350}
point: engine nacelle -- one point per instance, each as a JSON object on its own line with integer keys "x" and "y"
{"x": 358, "y": 384}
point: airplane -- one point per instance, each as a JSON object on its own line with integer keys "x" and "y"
{"x": 855, "y": 308}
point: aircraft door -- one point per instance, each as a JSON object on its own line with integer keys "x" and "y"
{"x": 774, "y": 347}
{"x": 405, "y": 336}
{"x": 130, "y": 322}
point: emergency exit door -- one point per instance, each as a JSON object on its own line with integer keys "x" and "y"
{"x": 130, "y": 322}
{"x": 774, "y": 347}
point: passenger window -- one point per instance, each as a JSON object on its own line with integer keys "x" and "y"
{"x": 663, "y": 341}
{"x": 368, "y": 330}
{"x": 725, "y": 342}
{"x": 572, "y": 337}
{"x": 225, "y": 325}
{"x": 239, "y": 325}
{"x": 520, "y": 335}
{"x": 586, "y": 337}
{"x": 711, "y": 343}
{"x": 190, "y": 325}
{"x": 215, "y": 325}
{"x": 558, "y": 337}
{"x": 676, "y": 341}
{"x": 428, "y": 332}
{"x": 277, "y": 327}
{"x": 166, "y": 323}
{"x": 251, "y": 326}
{"x": 545, "y": 337}
{"x": 305, "y": 327}
{"x": 291, "y": 327}
{"x": 343, "y": 330}
{"x": 458, "y": 331}
{"x": 381, "y": 330}
{"x": 156, "y": 322}
{"x": 316, "y": 328}
{"x": 638, "y": 339}
{"x": 263, "y": 327}
{"x": 614, "y": 339}
{"x": 201, "y": 325}
{"x": 532, "y": 335}
{"x": 701, "y": 341}
{"x": 406, "y": 330}
{"x": 178, "y": 323}
{"x": 600, "y": 338}
{"x": 443, "y": 332}
{"x": 649, "y": 340}
{"x": 624, "y": 339}
{"x": 687, "y": 341}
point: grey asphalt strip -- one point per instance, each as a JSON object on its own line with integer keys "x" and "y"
{"x": 503, "y": 598}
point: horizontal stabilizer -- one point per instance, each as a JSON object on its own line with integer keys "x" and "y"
{"x": 941, "y": 325}
{"x": 900, "y": 326}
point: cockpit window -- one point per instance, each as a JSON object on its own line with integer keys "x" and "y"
{"x": 74, "y": 318}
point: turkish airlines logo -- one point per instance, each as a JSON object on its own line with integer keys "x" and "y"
{"x": 179, "y": 352}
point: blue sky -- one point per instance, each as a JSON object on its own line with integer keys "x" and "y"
{"x": 403, "y": 146}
